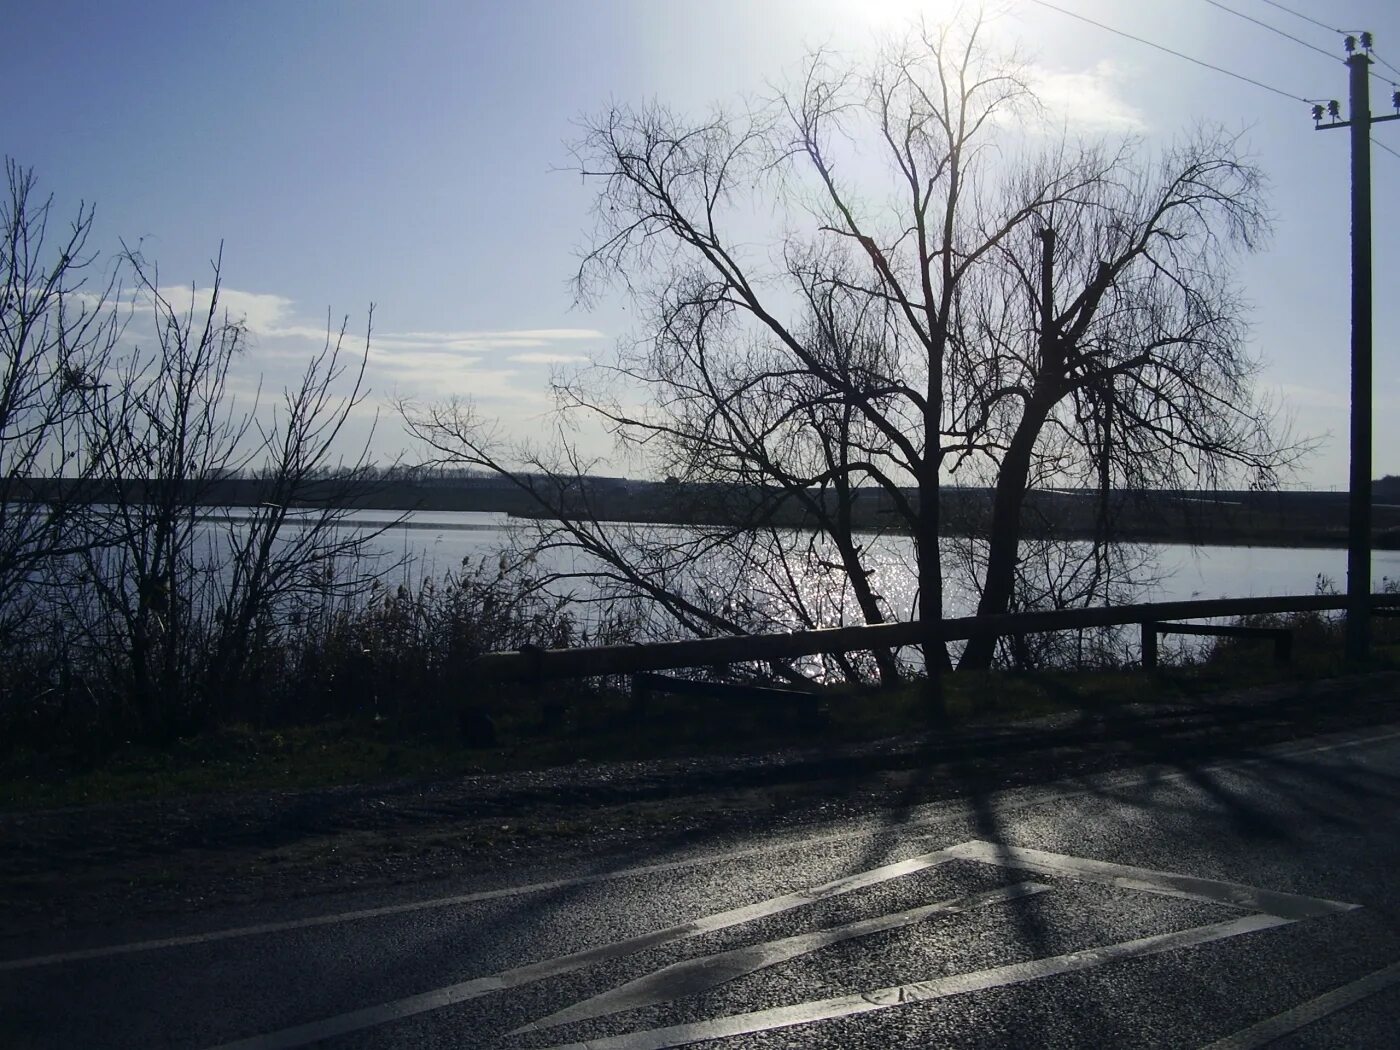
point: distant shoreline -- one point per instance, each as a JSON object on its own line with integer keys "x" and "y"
{"x": 1224, "y": 518}
{"x": 1274, "y": 541}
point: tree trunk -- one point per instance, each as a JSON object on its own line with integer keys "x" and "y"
{"x": 1004, "y": 534}
{"x": 930, "y": 564}
{"x": 844, "y": 538}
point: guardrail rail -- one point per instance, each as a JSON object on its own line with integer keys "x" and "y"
{"x": 536, "y": 664}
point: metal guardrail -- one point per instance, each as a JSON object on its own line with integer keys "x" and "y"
{"x": 533, "y": 664}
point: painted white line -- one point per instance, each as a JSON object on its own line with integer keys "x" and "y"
{"x": 1166, "y": 883}
{"x": 1271, "y": 754}
{"x": 693, "y": 976}
{"x": 922, "y": 991}
{"x": 1280, "y": 1025}
{"x": 371, "y": 1016}
{"x": 1285, "y": 751}
{"x": 949, "y": 810}
{"x": 423, "y": 905}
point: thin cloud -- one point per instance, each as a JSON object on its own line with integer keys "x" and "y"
{"x": 491, "y": 366}
{"x": 269, "y": 316}
{"x": 1300, "y": 395}
{"x": 543, "y": 358}
{"x": 548, "y": 335}
{"x": 485, "y": 341}
{"x": 1088, "y": 99}
{"x": 260, "y": 313}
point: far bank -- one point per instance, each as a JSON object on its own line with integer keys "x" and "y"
{"x": 1202, "y": 517}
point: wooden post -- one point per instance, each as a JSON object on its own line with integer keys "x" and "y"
{"x": 641, "y": 692}
{"x": 1149, "y": 646}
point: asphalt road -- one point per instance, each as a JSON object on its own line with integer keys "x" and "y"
{"x": 1241, "y": 904}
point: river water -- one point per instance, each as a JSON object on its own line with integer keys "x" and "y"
{"x": 438, "y": 542}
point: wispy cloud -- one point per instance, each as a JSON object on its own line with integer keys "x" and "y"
{"x": 1301, "y": 395}
{"x": 484, "y": 341}
{"x": 507, "y": 337}
{"x": 1088, "y": 99}
{"x": 497, "y": 366}
{"x": 268, "y": 316}
{"x": 261, "y": 313}
{"x": 545, "y": 358}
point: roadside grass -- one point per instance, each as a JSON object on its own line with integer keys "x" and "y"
{"x": 598, "y": 722}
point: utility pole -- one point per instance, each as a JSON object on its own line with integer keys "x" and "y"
{"x": 1358, "y": 628}
{"x": 1047, "y": 291}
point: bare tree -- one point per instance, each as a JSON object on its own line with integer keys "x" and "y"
{"x": 127, "y": 595}
{"x": 814, "y": 333}
{"x": 1118, "y": 362}
{"x": 296, "y": 549}
{"x": 57, "y": 333}
{"x": 162, "y": 431}
{"x": 179, "y": 598}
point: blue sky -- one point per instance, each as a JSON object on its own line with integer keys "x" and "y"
{"x": 413, "y": 155}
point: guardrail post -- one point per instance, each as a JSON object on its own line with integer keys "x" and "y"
{"x": 1149, "y": 646}
{"x": 640, "y": 694}
{"x": 534, "y": 663}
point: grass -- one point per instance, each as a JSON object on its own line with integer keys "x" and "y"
{"x": 599, "y": 724}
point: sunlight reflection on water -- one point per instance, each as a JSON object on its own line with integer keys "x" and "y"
{"x": 439, "y": 542}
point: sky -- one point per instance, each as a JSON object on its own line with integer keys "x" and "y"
{"x": 414, "y": 155}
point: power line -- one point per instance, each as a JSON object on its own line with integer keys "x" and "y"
{"x": 1160, "y": 47}
{"x": 1274, "y": 29}
{"x": 1381, "y": 145}
{"x": 1320, "y": 25}
{"x": 1305, "y": 18}
{"x": 1384, "y": 63}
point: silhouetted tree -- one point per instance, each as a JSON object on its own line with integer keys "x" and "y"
{"x": 296, "y": 550}
{"x": 812, "y": 329}
{"x": 57, "y": 333}
{"x": 162, "y": 432}
{"x": 177, "y": 601}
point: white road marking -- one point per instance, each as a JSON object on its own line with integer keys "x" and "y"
{"x": 1269, "y": 909}
{"x": 1286, "y": 907}
{"x": 922, "y": 991}
{"x": 1125, "y": 876}
{"x": 423, "y": 905}
{"x": 371, "y": 1016}
{"x": 1280, "y": 1025}
{"x": 693, "y": 976}
{"x": 1291, "y": 750}
{"x": 1111, "y": 781}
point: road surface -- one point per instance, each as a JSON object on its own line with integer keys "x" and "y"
{"x": 1240, "y": 904}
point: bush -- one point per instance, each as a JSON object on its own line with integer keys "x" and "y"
{"x": 403, "y": 652}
